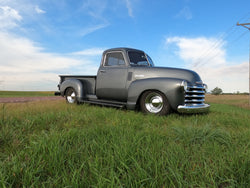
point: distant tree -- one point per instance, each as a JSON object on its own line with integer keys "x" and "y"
{"x": 216, "y": 91}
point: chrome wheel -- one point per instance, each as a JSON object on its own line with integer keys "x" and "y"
{"x": 154, "y": 102}
{"x": 71, "y": 96}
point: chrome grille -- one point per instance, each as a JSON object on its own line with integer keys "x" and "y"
{"x": 195, "y": 95}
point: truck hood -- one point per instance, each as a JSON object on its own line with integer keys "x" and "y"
{"x": 155, "y": 72}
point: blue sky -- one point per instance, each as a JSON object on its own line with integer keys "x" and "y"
{"x": 41, "y": 39}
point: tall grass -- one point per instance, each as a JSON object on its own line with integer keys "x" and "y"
{"x": 25, "y": 93}
{"x": 57, "y": 145}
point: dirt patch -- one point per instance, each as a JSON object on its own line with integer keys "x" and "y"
{"x": 28, "y": 99}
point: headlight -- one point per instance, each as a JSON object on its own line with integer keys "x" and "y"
{"x": 205, "y": 87}
{"x": 184, "y": 85}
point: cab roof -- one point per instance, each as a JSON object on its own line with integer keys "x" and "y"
{"x": 124, "y": 49}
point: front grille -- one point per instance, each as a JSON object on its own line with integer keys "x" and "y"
{"x": 195, "y": 95}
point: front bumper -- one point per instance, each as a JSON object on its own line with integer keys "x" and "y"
{"x": 197, "y": 108}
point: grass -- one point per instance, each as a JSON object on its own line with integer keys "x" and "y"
{"x": 52, "y": 144}
{"x": 25, "y": 93}
{"x": 235, "y": 100}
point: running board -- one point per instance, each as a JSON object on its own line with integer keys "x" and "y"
{"x": 105, "y": 103}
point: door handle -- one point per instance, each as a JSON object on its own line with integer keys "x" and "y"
{"x": 102, "y": 71}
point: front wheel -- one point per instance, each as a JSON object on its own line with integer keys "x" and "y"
{"x": 71, "y": 96}
{"x": 154, "y": 102}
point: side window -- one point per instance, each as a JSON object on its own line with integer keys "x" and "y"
{"x": 114, "y": 59}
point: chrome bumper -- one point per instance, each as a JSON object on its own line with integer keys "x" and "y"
{"x": 197, "y": 108}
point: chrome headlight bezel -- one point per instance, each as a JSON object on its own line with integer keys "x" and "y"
{"x": 184, "y": 85}
{"x": 205, "y": 87}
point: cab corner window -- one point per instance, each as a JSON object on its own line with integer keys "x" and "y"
{"x": 114, "y": 59}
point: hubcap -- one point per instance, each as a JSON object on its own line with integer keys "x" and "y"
{"x": 72, "y": 97}
{"x": 154, "y": 103}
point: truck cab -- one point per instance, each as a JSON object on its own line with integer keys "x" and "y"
{"x": 128, "y": 78}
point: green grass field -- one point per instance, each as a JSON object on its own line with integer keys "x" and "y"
{"x": 25, "y": 93}
{"x": 52, "y": 144}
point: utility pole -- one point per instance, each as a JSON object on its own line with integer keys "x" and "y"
{"x": 247, "y": 25}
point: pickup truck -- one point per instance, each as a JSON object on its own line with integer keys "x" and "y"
{"x": 127, "y": 78}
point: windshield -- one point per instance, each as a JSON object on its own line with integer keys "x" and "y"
{"x": 150, "y": 61}
{"x": 138, "y": 58}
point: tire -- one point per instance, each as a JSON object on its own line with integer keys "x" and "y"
{"x": 70, "y": 96}
{"x": 154, "y": 102}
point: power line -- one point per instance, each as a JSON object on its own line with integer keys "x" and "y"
{"x": 205, "y": 60}
{"x": 214, "y": 47}
{"x": 202, "y": 59}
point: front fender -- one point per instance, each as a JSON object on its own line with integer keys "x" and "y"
{"x": 171, "y": 87}
{"x": 72, "y": 83}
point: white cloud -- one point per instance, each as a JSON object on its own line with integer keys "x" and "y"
{"x": 90, "y": 52}
{"x": 39, "y": 11}
{"x": 207, "y": 56}
{"x": 185, "y": 13}
{"x": 24, "y": 65}
{"x": 95, "y": 8}
{"x": 8, "y": 17}
{"x": 92, "y": 29}
{"x": 98, "y": 8}
{"x": 198, "y": 51}
{"x": 130, "y": 8}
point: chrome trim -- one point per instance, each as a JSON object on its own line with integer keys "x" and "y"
{"x": 202, "y": 108}
{"x": 196, "y": 87}
{"x": 154, "y": 103}
{"x": 195, "y": 96}
{"x": 194, "y": 100}
{"x": 184, "y": 85}
{"x": 202, "y": 92}
{"x": 71, "y": 98}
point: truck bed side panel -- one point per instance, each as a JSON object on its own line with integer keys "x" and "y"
{"x": 88, "y": 82}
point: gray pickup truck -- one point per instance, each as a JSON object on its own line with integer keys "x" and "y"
{"x": 128, "y": 78}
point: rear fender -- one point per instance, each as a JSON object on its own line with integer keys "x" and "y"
{"x": 75, "y": 84}
{"x": 170, "y": 87}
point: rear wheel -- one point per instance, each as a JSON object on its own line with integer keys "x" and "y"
{"x": 154, "y": 102}
{"x": 71, "y": 96}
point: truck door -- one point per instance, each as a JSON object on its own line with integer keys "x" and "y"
{"x": 112, "y": 77}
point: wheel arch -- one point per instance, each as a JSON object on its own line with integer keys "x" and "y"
{"x": 169, "y": 87}
{"x": 75, "y": 84}
{"x": 139, "y": 98}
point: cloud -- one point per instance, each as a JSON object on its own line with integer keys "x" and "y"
{"x": 24, "y": 65}
{"x": 98, "y": 9}
{"x": 185, "y": 13}
{"x": 92, "y": 29}
{"x": 130, "y": 8}
{"x": 90, "y": 52}
{"x": 39, "y": 11}
{"x": 8, "y": 17}
{"x": 207, "y": 56}
{"x": 95, "y": 8}
{"x": 198, "y": 51}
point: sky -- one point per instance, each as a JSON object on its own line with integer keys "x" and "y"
{"x": 41, "y": 39}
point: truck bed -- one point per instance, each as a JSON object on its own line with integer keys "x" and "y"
{"x": 89, "y": 82}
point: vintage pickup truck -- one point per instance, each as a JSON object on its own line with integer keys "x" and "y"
{"x": 128, "y": 78}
